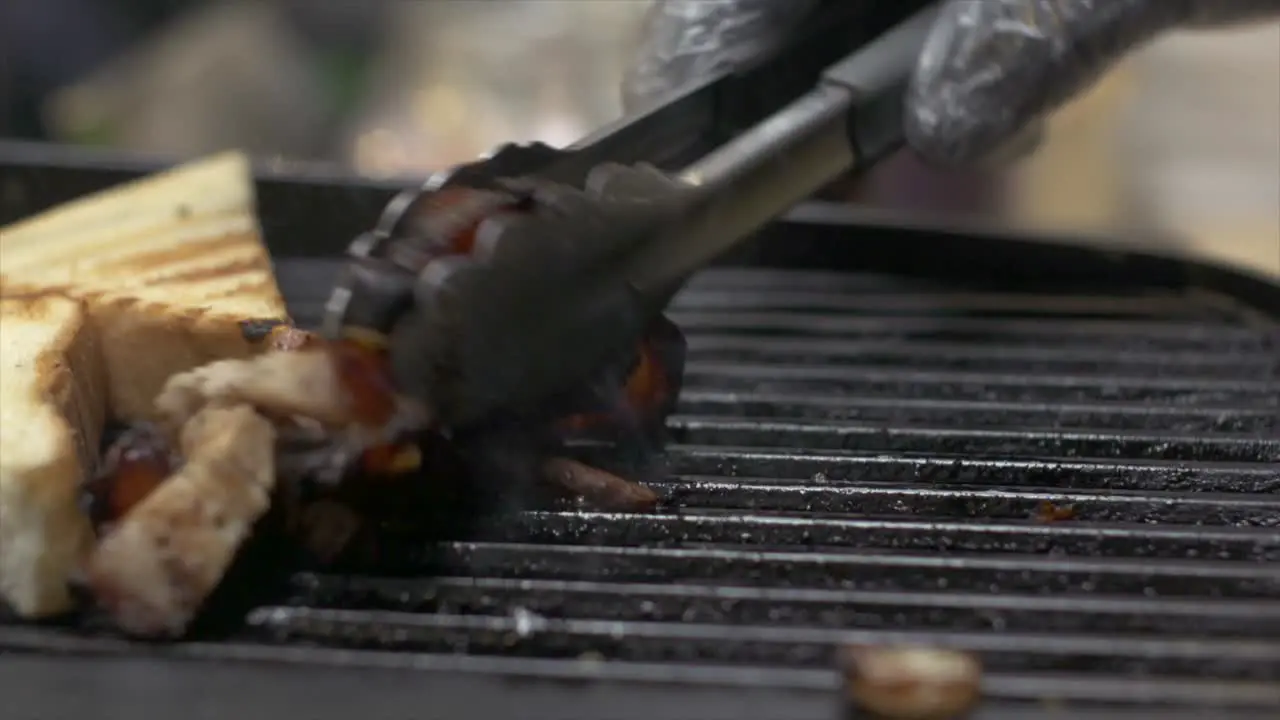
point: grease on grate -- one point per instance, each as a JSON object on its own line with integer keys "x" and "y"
{"x": 1048, "y": 512}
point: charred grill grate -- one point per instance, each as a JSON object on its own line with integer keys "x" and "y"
{"x": 859, "y": 461}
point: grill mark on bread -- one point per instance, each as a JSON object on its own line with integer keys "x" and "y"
{"x": 69, "y": 251}
{"x": 254, "y": 265}
{"x": 166, "y": 256}
{"x": 215, "y": 272}
{"x": 192, "y": 315}
{"x": 256, "y": 287}
{"x": 10, "y": 290}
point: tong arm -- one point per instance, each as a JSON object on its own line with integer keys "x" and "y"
{"x": 851, "y": 120}
{"x": 694, "y": 120}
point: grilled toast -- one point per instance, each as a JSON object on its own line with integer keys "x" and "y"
{"x": 168, "y": 266}
{"x": 52, "y": 404}
{"x": 104, "y": 299}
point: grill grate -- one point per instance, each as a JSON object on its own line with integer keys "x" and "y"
{"x": 855, "y": 460}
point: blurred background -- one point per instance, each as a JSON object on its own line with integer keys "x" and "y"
{"x": 1181, "y": 144}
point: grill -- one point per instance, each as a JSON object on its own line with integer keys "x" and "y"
{"x": 873, "y": 418}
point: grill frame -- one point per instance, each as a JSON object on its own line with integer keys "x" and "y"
{"x": 306, "y": 217}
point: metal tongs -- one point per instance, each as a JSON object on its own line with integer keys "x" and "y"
{"x": 610, "y": 232}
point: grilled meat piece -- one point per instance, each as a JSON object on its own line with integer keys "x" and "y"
{"x": 154, "y": 568}
{"x": 598, "y": 489}
{"x": 336, "y": 384}
{"x": 134, "y": 466}
{"x": 276, "y": 334}
{"x": 286, "y": 338}
{"x": 333, "y": 400}
{"x": 912, "y": 683}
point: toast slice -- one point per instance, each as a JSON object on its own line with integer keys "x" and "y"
{"x": 169, "y": 266}
{"x": 52, "y": 407}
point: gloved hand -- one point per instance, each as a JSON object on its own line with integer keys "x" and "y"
{"x": 990, "y": 68}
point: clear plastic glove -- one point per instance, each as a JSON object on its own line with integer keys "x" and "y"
{"x": 992, "y": 67}
{"x": 684, "y": 41}
{"x": 989, "y": 70}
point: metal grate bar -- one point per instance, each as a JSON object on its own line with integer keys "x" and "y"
{"x": 1164, "y": 307}
{"x": 981, "y": 386}
{"x": 1020, "y": 472}
{"x": 969, "y": 357}
{"x": 767, "y": 279}
{"x": 968, "y": 414}
{"x": 816, "y": 531}
{"x": 1133, "y": 335}
{"x": 868, "y": 570}
{"x": 844, "y": 435}
{"x": 688, "y": 642}
{"x": 1097, "y": 696}
{"x": 975, "y": 502}
{"x": 741, "y": 605}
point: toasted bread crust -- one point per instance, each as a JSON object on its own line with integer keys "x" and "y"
{"x": 169, "y": 265}
{"x": 144, "y": 344}
{"x": 43, "y": 533}
{"x": 121, "y": 235}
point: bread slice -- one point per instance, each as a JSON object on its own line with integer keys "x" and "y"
{"x": 52, "y": 404}
{"x": 169, "y": 266}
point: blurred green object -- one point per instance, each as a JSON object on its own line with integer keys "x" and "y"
{"x": 100, "y": 135}
{"x": 344, "y": 74}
